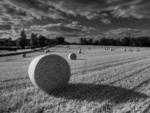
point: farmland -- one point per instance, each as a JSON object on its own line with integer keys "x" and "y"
{"x": 102, "y": 81}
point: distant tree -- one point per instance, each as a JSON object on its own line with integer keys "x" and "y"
{"x": 90, "y": 41}
{"x": 59, "y": 40}
{"x": 126, "y": 41}
{"x": 118, "y": 42}
{"x": 83, "y": 41}
{"x": 103, "y": 41}
{"x": 33, "y": 39}
{"x": 96, "y": 42}
{"x": 41, "y": 40}
{"x": 21, "y": 41}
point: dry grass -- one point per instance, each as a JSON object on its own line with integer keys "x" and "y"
{"x": 101, "y": 82}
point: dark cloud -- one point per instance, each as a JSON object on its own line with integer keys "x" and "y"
{"x": 91, "y": 9}
{"x": 37, "y": 8}
{"x": 126, "y": 32}
{"x": 5, "y": 27}
{"x": 136, "y": 8}
{"x": 72, "y": 29}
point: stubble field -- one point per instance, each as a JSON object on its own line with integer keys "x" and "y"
{"x": 102, "y": 81}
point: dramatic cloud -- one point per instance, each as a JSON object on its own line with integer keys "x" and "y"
{"x": 58, "y": 9}
{"x": 37, "y": 9}
{"x": 76, "y": 18}
{"x": 73, "y": 29}
{"x": 5, "y": 27}
{"x": 92, "y": 9}
{"x": 126, "y": 32}
{"x": 136, "y": 8}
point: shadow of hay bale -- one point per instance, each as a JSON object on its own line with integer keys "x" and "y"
{"x": 98, "y": 93}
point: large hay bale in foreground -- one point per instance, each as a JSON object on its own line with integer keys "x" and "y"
{"x": 72, "y": 56}
{"x": 49, "y": 72}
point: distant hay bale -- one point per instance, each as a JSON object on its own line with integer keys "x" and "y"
{"x": 112, "y": 49}
{"x": 49, "y": 72}
{"x": 138, "y": 49}
{"x": 47, "y": 51}
{"x": 131, "y": 49}
{"x": 24, "y": 55}
{"x": 106, "y": 49}
{"x": 79, "y": 51}
{"x": 72, "y": 56}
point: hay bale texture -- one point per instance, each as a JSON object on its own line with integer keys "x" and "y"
{"x": 72, "y": 56}
{"x": 49, "y": 72}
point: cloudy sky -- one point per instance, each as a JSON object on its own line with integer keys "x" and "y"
{"x": 75, "y": 18}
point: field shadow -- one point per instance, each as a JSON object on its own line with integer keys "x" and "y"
{"x": 98, "y": 93}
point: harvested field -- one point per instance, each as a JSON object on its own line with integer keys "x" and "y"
{"x": 102, "y": 81}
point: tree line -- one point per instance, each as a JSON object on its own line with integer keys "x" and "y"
{"x": 126, "y": 41}
{"x": 36, "y": 40}
{"x": 33, "y": 42}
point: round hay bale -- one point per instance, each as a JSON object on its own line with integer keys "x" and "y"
{"x": 49, "y": 72}
{"x": 24, "y": 55}
{"x": 47, "y": 51}
{"x": 79, "y": 52}
{"x": 72, "y": 56}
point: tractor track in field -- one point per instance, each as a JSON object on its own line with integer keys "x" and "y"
{"x": 127, "y": 95}
{"x": 123, "y": 78}
{"x": 14, "y": 79}
{"x": 16, "y": 86}
{"x": 104, "y": 77}
{"x": 144, "y": 83}
{"x": 137, "y": 58}
{"x": 110, "y": 64}
{"x": 130, "y": 75}
{"x": 113, "y": 60}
